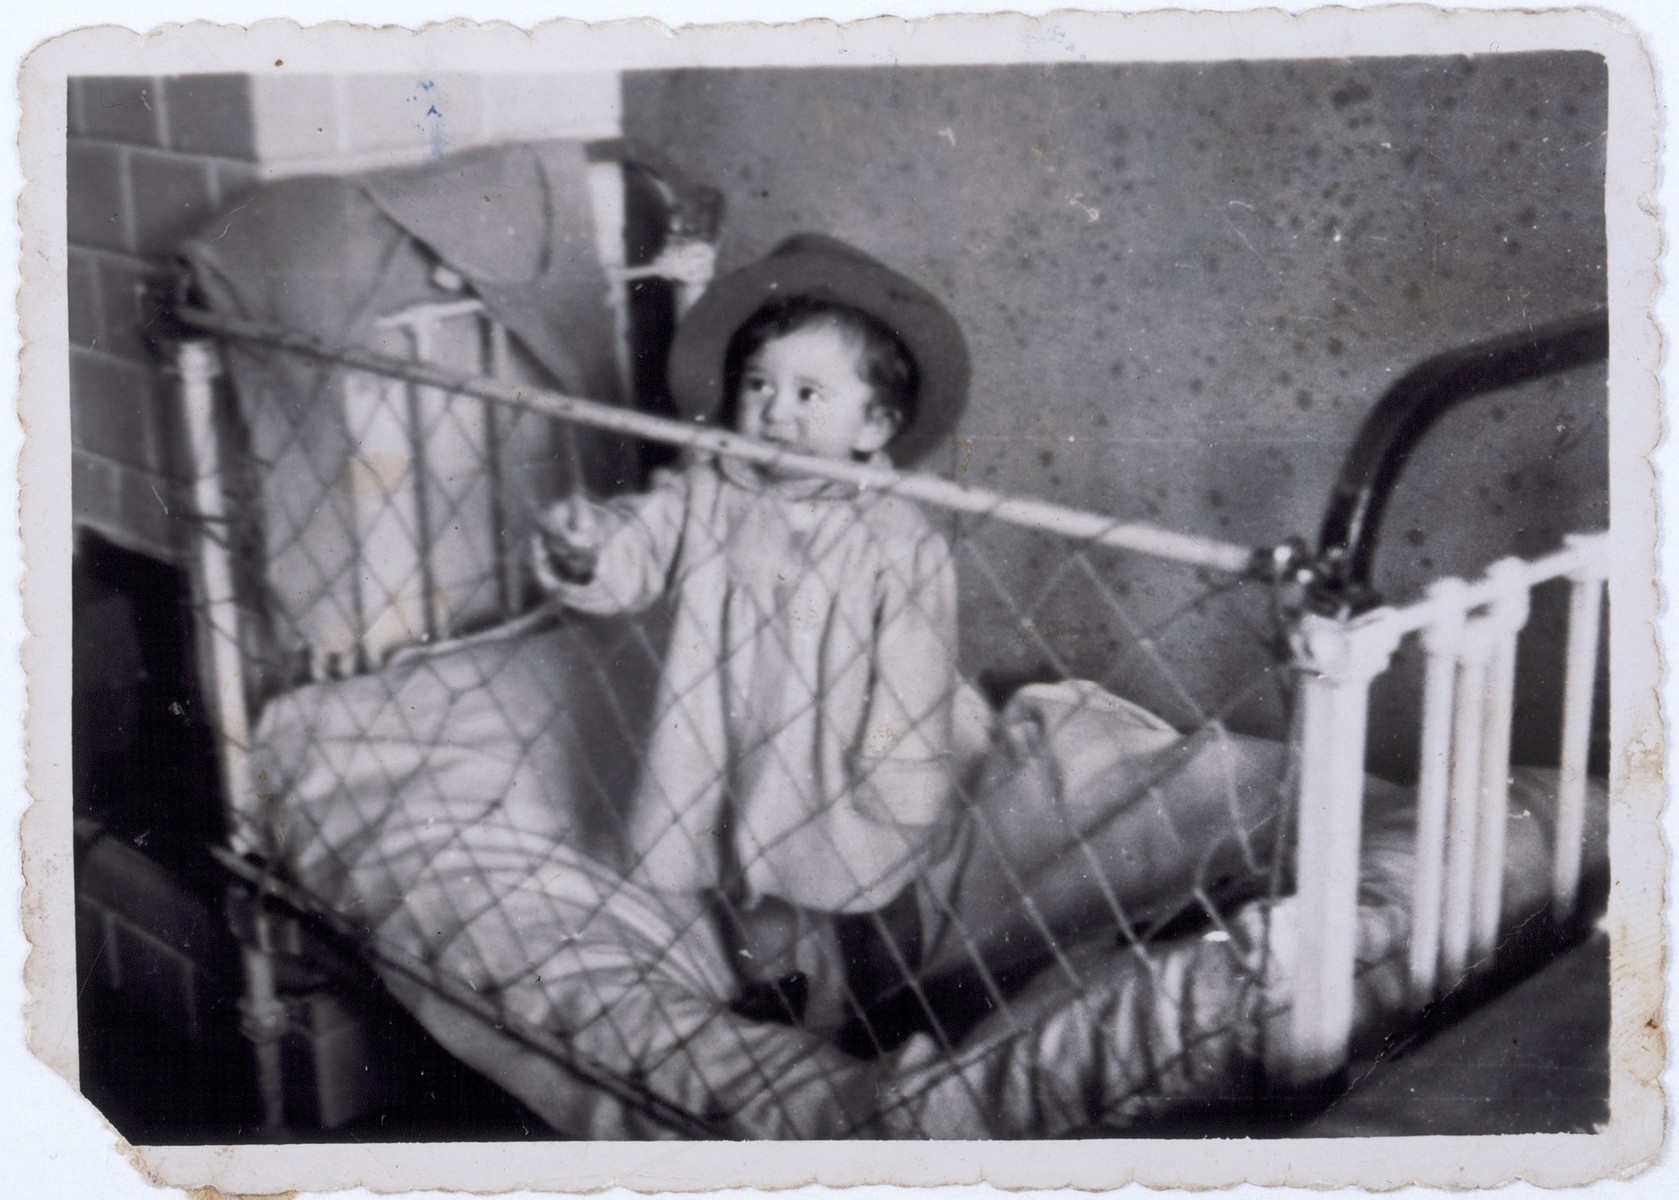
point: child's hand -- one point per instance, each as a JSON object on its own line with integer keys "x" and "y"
{"x": 566, "y": 544}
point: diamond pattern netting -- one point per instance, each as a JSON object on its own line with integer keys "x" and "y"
{"x": 1041, "y": 908}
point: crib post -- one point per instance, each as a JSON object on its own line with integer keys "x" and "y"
{"x": 220, "y": 645}
{"x": 1335, "y": 662}
{"x": 262, "y": 1014}
{"x": 1585, "y": 611}
{"x": 263, "y": 1019}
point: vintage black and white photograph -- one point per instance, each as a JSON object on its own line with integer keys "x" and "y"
{"x": 1063, "y": 595}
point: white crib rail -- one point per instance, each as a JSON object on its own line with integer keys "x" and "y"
{"x": 220, "y": 643}
{"x": 1468, "y": 633}
{"x": 1024, "y": 511}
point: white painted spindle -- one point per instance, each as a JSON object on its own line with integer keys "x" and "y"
{"x": 1506, "y": 616}
{"x": 1463, "y": 809}
{"x": 218, "y": 637}
{"x": 1585, "y": 609}
{"x": 262, "y": 1014}
{"x": 1440, "y": 647}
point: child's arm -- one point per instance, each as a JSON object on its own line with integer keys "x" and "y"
{"x": 904, "y": 761}
{"x": 613, "y": 557}
{"x": 566, "y": 544}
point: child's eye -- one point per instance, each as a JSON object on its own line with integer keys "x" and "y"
{"x": 757, "y": 383}
{"x": 808, "y": 393}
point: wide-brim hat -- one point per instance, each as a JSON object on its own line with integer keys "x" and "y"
{"x": 817, "y": 267}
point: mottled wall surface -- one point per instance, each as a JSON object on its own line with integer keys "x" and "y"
{"x": 1184, "y": 286}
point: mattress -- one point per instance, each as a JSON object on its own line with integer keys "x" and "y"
{"x": 1110, "y": 936}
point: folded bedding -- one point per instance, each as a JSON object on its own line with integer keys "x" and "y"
{"x": 460, "y": 810}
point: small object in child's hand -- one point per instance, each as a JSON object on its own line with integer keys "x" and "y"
{"x": 566, "y": 544}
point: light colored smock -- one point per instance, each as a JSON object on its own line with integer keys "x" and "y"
{"x": 800, "y": 742}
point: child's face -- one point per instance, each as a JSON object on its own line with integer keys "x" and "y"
{"x": 802, "y": 390}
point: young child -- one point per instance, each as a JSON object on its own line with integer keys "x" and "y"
{"x": 797, "y": 763}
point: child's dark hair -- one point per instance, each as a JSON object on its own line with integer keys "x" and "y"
{"x": 883, "y": 362}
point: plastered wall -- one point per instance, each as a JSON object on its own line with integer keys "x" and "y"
{"x": 1184, "y": 286}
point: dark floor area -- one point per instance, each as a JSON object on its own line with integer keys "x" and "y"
{"x": 158, "y": 1087}
{"x": 1533, "y": 1060}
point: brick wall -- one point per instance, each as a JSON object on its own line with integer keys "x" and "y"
{"x": 150, "y": 160}
{"x": 133, "y": 190}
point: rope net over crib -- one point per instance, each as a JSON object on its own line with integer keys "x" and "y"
{"x": 469, "y": 781}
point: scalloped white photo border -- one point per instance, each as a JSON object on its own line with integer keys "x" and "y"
{"x": 1639, "y": 860}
